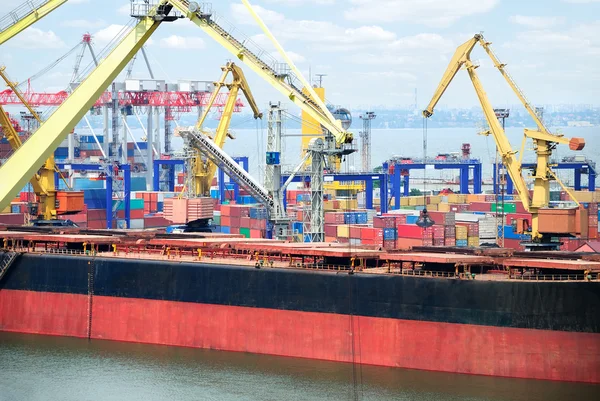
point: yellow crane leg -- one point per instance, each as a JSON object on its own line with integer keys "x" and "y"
{"x": 25, "y": 162}
{"x": 30, "y": 19}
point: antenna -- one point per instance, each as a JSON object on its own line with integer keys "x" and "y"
{"x": 320, "y": 78}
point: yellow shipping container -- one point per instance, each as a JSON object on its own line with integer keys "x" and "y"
{"x": 404, "y": 201}
{"x": 470, "y": 198}
{"x": 343, "y": 231}
{"x": 434, "y": 200}
{"x": 433, "y": 207}
{"x": 584, "y": 196}
{"x": 416, "y": 201}
{"x": 457, "y": 198}
{"x": 443, "y": 207}
{"x": 328, "y": 206}
{"x": 473, "y": 241}
{"x": 461, "y": 232}
{"x": 348, "y": 204}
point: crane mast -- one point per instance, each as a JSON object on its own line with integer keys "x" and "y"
{"x": 204, "y": 171}
{"x": 282, "y": 79}
{"x": 25, "y": 15}
{"x": 544, "y": 141}
{"x": 24, "y": 163}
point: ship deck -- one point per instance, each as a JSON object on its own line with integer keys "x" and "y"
{"x": 234, "y": 249}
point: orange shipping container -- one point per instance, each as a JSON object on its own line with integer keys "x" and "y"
{"x": 69, "y": 202}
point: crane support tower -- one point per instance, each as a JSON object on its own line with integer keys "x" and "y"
{"x": 544, "y": 142}
{"x": 365, "y": 137}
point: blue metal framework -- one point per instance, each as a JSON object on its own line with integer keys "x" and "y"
{"x": 243, "y": 161}
{"x": 171, "y": 176}
{"x": 367, "y": 178}
{"x": 579, "y": 168}
{"x": 400, "y": 184}
{"x": 125, "y": 168}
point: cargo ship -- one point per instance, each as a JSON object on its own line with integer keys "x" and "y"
{"x": 495, "y": 312}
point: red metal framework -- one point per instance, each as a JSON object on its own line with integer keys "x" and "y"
{"x": 183, "y": 101}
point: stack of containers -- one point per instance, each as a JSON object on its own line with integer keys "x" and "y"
{"x": 488, "y": 230}
{"x": 150, "y": 201}
{"x": 410, "y": 235}
{"x": 136, "y": 214}
{"x": 461, "y": 236}
{"x": 258, "y": 222}
{"x": 593, "y": 220}
{"x": 95, "y": 200}
{"x": 473, "y": 235}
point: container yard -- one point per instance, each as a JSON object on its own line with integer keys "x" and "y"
{"x": 114, "y": 238}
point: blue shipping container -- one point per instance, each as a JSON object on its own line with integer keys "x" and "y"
{"x": 361, "y": 218}
{"x": 411, "y": 219}
{"x": 349, "y": 218}
{"x": 461, "y": 242}
{"x": 390, "y": 234}
{"x": 298, "y": 227}
{"x": 226, "y": 229}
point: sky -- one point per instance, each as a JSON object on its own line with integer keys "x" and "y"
{"x": 375, "y": 53}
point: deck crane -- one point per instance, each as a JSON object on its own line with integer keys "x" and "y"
{"x": 201, "y": 172}
{"x": 26, "y": 15}
{"x": 544, "y": 141}
{"x": 25, "y": 162}
{"x": 285, "y": 77}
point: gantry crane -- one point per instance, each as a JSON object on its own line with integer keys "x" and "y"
{"x": 26, "y": 15}
{"x": 201, "y": 172}
{"x": 544, "y": 141}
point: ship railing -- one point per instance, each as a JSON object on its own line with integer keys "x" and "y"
{"x": 430, "y": 273}
{"x": 555, "y": 277}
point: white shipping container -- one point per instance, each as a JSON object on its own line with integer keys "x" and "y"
{"x": 137, "y": 224}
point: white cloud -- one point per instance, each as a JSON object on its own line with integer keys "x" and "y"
{"x": 438, "y": 13}
{"x": 296, "y": 58}
{"x": 536, "y": 21}
{"x": 581, "y": 1}
{"x": 299, "y": 2}
{"x": 34, "y": 38}
{"x": 108, "y": 34}
{"x": 242, "y": 15}
{"x": 125, "y": 9}
{"x": 182, "y": 42}
{"x": 83, "y": 23}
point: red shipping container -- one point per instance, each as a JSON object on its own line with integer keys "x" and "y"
{"x": 342, "y": 240}
{"x": 96, "y": 214}
{"x": 414, "y": 231}
{"x": 355, "y": 232}
{"x": 450, "y": 241}
{"x": 225, "y": 211}
{"x": 510, "y": 217}
{"x": 473, "y": 230}
{"x": 96, "y": 224}
{"x": 371, "y": 233}
{"x": 226, "y": 221}
{"x": 334, "y": 218}
{"x": 384, "y": 222}
{"x": 235, "y": 222}
{"x": 27, "y": 197}
{"x": 427, "y": 241}
{"x": 438, "y": 242}
{"x": 257, "y": 234}
{"x": 330, "y": 230}
{"x": 513, "y": 244}
{"x": 480, "y": 206}
{"x": 245, "y": 222}
{"x": 450, "y": 232}
{"x": 407, "y": 243}
{"x": 12, "y": 219}
{"x": 520, "y": 208}
{"x": 234, "y": 230}
{"x": 300, "y": 215}
{"x": 593, "y": 232}
{"x": 443, "y": 218}
{"x": 389, "y": 245}
{"x": 438, "y": 232}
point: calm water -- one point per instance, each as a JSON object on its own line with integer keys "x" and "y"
{"x": 54, "y": 368}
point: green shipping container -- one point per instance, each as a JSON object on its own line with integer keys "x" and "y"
{"x": 134, "y": 204}
{"x": 408, "y": 207}
{"x": 217, "y": 220}
{"x": 245, "y": 232}
{"x": 508, "y": 207}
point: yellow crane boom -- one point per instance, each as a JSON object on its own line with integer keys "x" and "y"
{"x": 203, "y": 172}
{"x": 25, "y": 15}
{"x": 544, "y": 141}
{"x": 283, "y": 81}
{"x": 25, "y": 162}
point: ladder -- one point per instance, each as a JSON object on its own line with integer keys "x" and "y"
{"x": 208, "y": 148}
{"x": 6, "y": 260}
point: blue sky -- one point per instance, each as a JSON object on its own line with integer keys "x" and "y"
{"x": 374, "y": 52}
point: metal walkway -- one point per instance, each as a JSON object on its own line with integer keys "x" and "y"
{"x": 218, "y": 156}
{"x": 6, "y": 260}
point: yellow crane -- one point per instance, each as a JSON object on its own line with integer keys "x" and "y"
{"x": 285, "y": 77}
{"x": 25, "y": 15}
{"x": 544, "y": 142}
{"x": 42, "y": 183}
{"x": 203, "y": 171}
